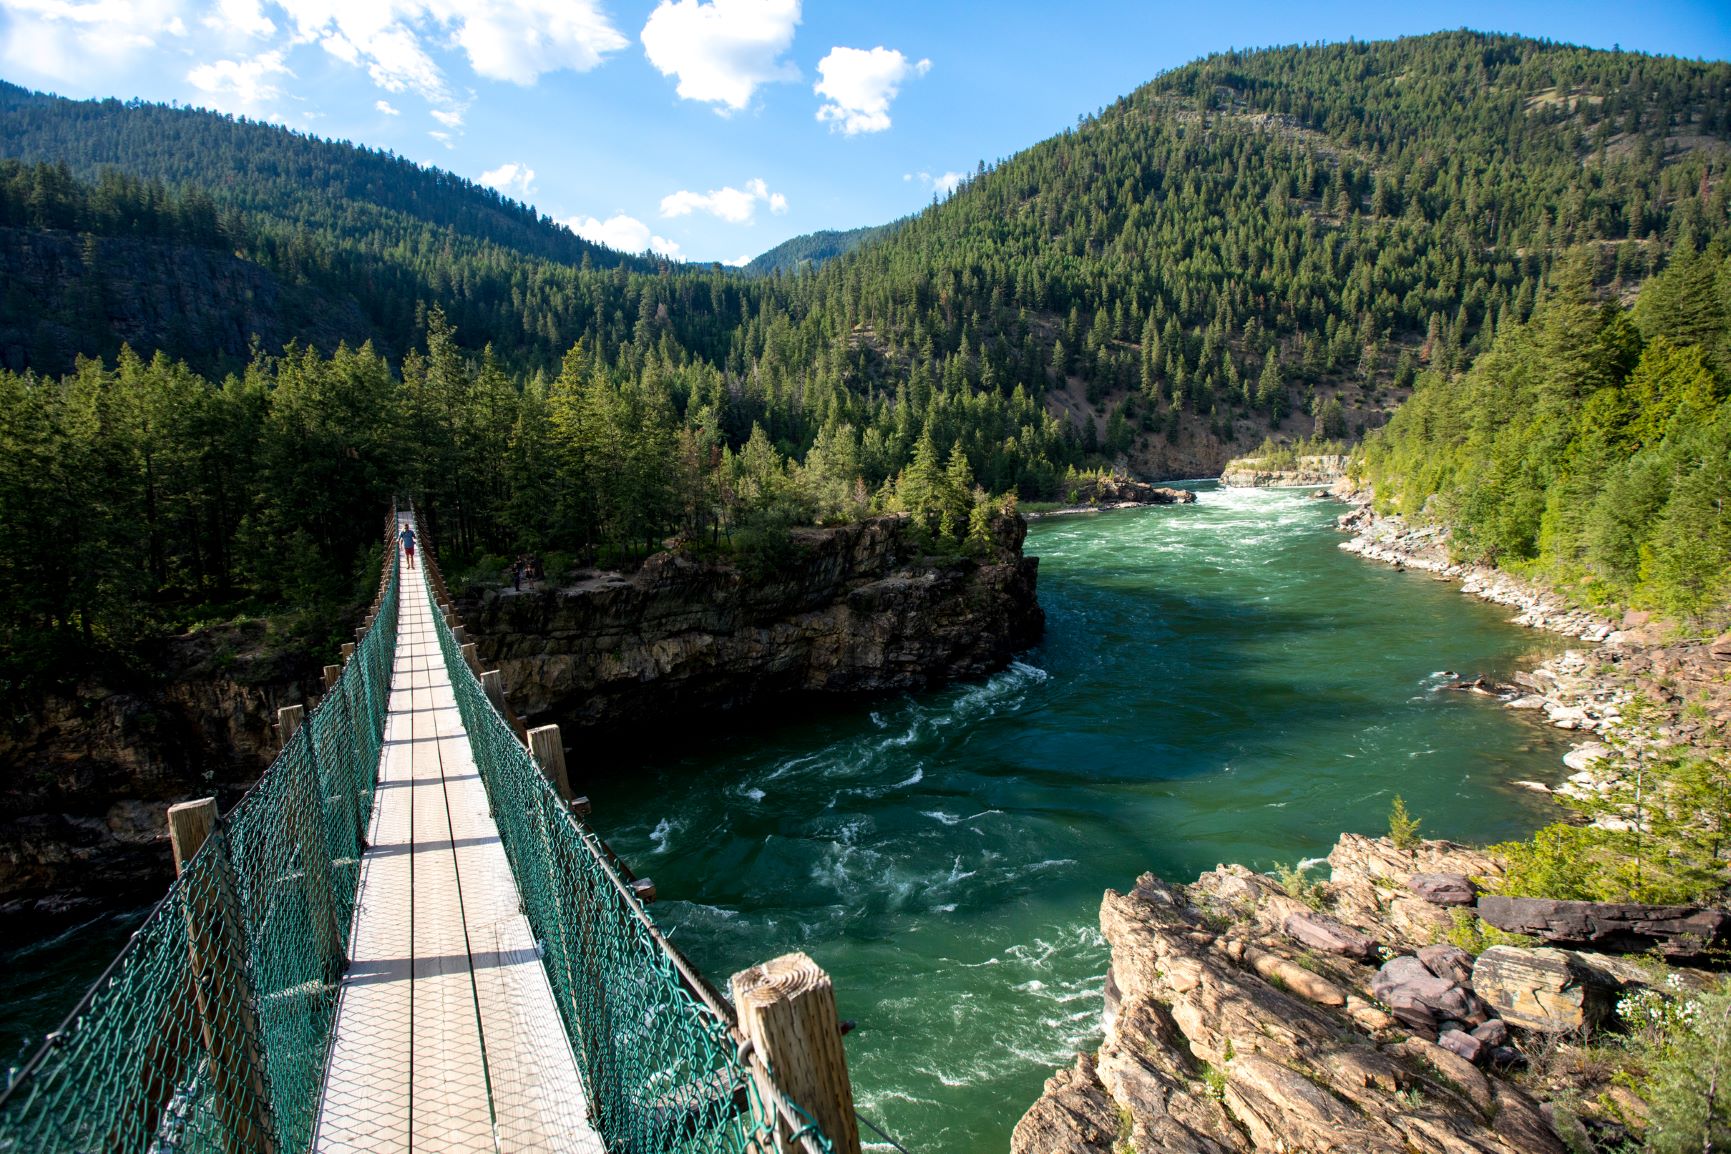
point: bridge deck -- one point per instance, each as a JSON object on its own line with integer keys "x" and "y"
{"x": 447, "y": 1036}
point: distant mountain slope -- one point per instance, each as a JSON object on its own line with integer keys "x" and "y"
{"x": 262, "y": 168}
{"x": 1260, "y": 242}
{"x": 1266, "y": 231}
{"x": 376, "y": 235}
{"x": 814, "y": 249}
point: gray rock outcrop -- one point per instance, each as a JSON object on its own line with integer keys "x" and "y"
{"x": 1228, "y": 1033}
{"x": 1676, "y": 931}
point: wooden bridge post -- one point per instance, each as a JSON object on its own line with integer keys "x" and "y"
{"x": 787, "y": 1011}
{"x": 493, "y": 685}
{"x": 332, "y": 672}
{"x": 471, "y": 658}
{"x": 289, "y": 720}
{"x": 549, "y": 754}
{"x": 222, "y": 989}
{"x": 347, "y": 651}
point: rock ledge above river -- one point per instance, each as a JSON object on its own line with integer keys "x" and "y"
{"x": 854, "y": 610}
{"x": 1239, "y": 1019}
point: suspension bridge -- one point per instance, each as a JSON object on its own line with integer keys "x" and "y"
{"x": 406, "y": 938}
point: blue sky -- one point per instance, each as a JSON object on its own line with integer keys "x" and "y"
{"x": 714, "y": 129}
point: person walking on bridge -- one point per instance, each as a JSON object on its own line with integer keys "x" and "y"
{"x": 408, "y": 539}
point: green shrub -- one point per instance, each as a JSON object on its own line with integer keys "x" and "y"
{"x": 1402, "y": 826}
{"x": 1299, "y": 885}
{"x": 1684, "y": 1044}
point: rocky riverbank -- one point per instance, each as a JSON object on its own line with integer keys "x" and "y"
{"x": 1266, "y": 473}
{"x": 1590, "y": 691}
{"x": 852, "y": 610}
{"x": 1247, "y": 1015}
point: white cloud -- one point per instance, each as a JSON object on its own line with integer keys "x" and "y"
{"x": 443, "y": 138}
{"x": 859, "y": 86}
{"x": 68, "y": 39}
{"x": 515, "y": 40}
{"x": 734, "y": 205}
{"x": 518, "y": 40}
{"x": 242, "y": 17}
{"x": 510, "y": 178}
{"x": 386, "y": 107}
{"x": 943, "y": 184}
{"x": 403, "y": 45}
{"x": 722, "y": 50}
{"x": 621, "y": 232}
{"x": 739, "y": 261}
{"x": 245, "y": 81}
{"x": 449, "y": 117}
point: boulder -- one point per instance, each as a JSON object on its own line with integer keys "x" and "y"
{"x": 1584, "y": 757}
{"x": 1368, "y": 886}
{"x": 1493, "y": 1033}
{"x": 1320, "y": 932}
{"x": 1451, "y": 963}
{"x": 1444, "y": 889}
{"x": 1293, "y": 1062}
{"x": 1677, "y": 931}
{"x": 1542, "y": 989}
{"x": 1720, "y": 647}
{"x": 1462, "y": 1043}
{"x": 1402, "y": 971}
{"x": 1413, "y": 994}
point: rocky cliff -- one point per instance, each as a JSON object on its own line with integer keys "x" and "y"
{"x": 1246, "y": 1015}
{"x": 1259, "y": 472}
{"x": 852, "y": 610}
{"x": 86, "y": 775}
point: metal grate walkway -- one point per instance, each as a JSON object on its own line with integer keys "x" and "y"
{"x": 447, "y": 1036}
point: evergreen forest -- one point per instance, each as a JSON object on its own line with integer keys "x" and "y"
{"x": 225, "y": 344}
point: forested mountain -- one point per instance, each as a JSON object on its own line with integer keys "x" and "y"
{"x": 1265, "y": 240}
{"x": 803, "y": 253}
{"x": 374, "y": 235}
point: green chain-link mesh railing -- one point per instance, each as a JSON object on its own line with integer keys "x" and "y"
{"x": 661, "y": 1063}
{"x": 209, "y": 1031}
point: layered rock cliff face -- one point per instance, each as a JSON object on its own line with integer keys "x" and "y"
{"x": 86, "y": 777}
{"x": 1255, "y": 472}
{"x": 1239, "y": 1018}
{"x": 853, "y": 610}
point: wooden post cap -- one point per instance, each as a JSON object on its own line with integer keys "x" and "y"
{"x": 787, "y": 1011}
{"x": 549, "y": 754}
{"x": 348, "y": 650}
{"x": 289, "y": 719}
{"x": 189, "y": 825}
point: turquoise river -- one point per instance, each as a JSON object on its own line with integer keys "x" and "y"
{"x": 1219, "y": 682}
